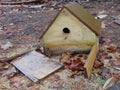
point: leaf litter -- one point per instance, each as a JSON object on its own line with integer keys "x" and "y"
{"x": 104, "y": 67}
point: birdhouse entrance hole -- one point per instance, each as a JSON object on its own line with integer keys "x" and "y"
{"x": 66, "y": 30}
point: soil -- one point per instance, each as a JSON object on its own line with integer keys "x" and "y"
{"x": 22, "y": 25}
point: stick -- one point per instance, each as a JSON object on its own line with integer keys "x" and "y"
{"x": 18, "y": 2}
{"x": 13, "y": 57}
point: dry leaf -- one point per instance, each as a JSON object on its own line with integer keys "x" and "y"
{"x": 4, "y": 66}
{"x": 7, "y": 46}
{"x": 74, "y": 62}
{"x": 106, "y": 62}
{"x": 103, "y": 25}
{"x": 102, "y": 16}
{"x": 108, "y": 83}
{"x": 116, "y": 68}
{"x": 117, "y": 55}
{"x": 65, "y": 57}
{"x": 111, "y": 48}
{"x": 76, "y": 65}
{"x": 97, "y": 64}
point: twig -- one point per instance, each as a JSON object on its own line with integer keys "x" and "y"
{"x": 18, "y": 2}
{"x": 13, "y": 57}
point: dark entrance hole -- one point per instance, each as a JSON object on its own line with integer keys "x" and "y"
{"x": 66, "y": 30}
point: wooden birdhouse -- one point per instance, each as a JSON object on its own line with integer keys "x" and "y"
{"x": 73, "y": 29}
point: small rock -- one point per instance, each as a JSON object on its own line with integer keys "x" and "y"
{"x": 103, "y": 25}
{"x": 29, "y": 84}
{"x": 11, "y": 24}
{"x": 6, "y": 46}
{"x": 117, "y": 22}
{"x": 1, "y": 28}
{"x": 9, "y": 71}
{"x": 102, "y": 16}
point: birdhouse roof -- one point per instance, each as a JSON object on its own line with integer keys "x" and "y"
{"x": 85, "y": 17}
{"x": 82, "y": 15}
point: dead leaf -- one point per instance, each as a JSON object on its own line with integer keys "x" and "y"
{"x": 76, "y": 65}
{"x": 65, "y": 57}
{"x": 6, "y": 46}
{"x": 96, "y": 70}
{"x": 103, "y": 25}
{"x": 116, "y": 68}
{"x": 67, "y": 62}
{"x": 117, "y": 55}
{"x": 73, "y": 61}
{"x": 111, "y": 48}
{"x": 97, "y": 64}
{"x": 108, "y": 83}
{"x": 9, "y": 72}
{"x": 106, "y": 62}
{"x": 11, "y": 75}
{"x": 4, "y": 66}
{"x": 102, "y": 16}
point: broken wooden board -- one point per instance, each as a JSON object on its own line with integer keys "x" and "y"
{"x": 36, "y": 66}
{"x": 90, "y": 60}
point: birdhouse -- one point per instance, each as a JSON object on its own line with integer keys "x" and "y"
{"x": 73, "y": 29}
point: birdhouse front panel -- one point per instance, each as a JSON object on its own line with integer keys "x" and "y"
{"x": 68, "y": 34}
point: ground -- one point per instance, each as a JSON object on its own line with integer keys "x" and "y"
{"x": 22, "y": 25}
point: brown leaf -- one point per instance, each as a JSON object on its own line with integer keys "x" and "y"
{"x": 110, "y": 82}
{"x": 65, "y": 57}
{"x": 11, "y": 75}
{"x": 111, "y": 48}
{"x": 4, "y": 66}
{"x": 67, "y": 62}
{"x": 117, "y": 55}
{"x": 76, "y": 65}
{"x": 73, "y": 61}
{"x": 97, "y": 64}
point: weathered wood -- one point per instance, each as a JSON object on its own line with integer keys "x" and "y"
{"x": 90, "y": 60}
{"x": 84, "y": 17}
{"x": 5, "y": 59}
{"x": 36, "y": 66}
{"x": 72, "y": 35}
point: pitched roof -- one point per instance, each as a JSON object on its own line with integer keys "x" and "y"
{"x": 82, "y": 15}
{"x": 85, "y": 17}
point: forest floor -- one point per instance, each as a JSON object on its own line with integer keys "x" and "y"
{"x": 20, "y": 29}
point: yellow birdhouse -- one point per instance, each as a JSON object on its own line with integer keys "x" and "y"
{"x": 73, "y": 29}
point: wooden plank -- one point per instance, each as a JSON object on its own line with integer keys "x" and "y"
{"x": 36, "y": 66}
{"x": 90, "y": 60}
